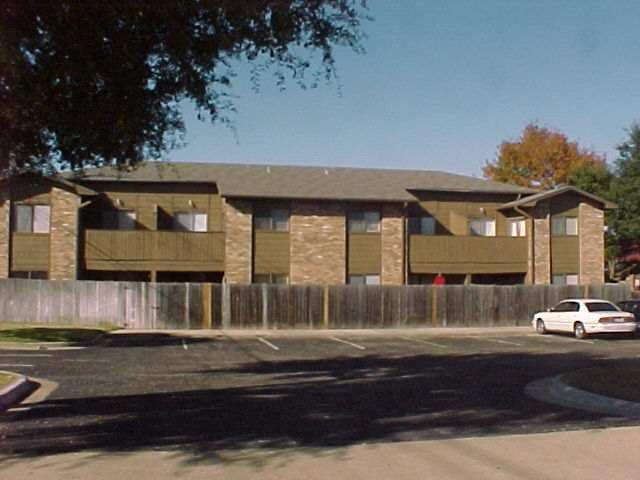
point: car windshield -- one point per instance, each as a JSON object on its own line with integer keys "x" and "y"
{"x": 601, "y": 307}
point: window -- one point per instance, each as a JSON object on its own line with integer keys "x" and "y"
{"x": 34, "y": 275}
{"x": 516, "y": 227}
{"x": 601, "y": 307}
{"x": 422, "y": 225}
{"x": 32, "y": 218}
{"x": 565, "y": 279}
{"x": 483, "y": 227}
{"x": 564, "y": 225}
{"x": 364, "y": 280}
{"x": 276, "y": 219}
{"x": 364, "y": 222}
{"x": 190, "y": 221}
{"x": 566, "y": 307}
{"x": 277, "y": 278}
{"x": 119, "y": 220}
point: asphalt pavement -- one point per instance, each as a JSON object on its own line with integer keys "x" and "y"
{"x": 272, "y": 392}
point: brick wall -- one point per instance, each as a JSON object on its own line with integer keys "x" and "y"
{"x": 541, "y": 244}
{"x": 63, "y": 257}
{"x": 591, "y": 231}
{"x": 318, "y": 243}
{"x": 238, "y": 225}
{"x": 392, "y": 245}
{"x": 5, "y": 234}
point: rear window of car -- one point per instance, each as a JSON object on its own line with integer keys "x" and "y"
{"x": 601, "y": 307}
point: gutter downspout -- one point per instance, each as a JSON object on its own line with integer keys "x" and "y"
{"x": 532, "y": 262}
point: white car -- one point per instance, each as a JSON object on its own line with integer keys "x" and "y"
{"x": 583, "y": 317}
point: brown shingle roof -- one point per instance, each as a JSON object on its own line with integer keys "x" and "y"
{"x": 277, "y": 181}
{"x": 532, "y": 200}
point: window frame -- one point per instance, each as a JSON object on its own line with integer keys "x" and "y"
{"x": 365, "y": 277}
{"x": 271, "y": 278}
{"x": 272, "y": 219}
{"x": 32, "y": 208}
{"x": 178, "y": 226}
{"x": 357, "y": 221}
{"x": 486, "y": 221}
{"x": 564, "y": 278}
{"x": 115, "y": 223}
{"x": 563, "y": 231}
{"x": 518, "y": 221}
{"x": 416, "y": 225}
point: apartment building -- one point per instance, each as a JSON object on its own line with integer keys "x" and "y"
{"x": 300, "y": 225}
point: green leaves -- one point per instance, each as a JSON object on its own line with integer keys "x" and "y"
{"x": 88, "y": 83}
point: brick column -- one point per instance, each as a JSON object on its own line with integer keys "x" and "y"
{"x": 541, "y": 244}
{"x": 392, "y": 245}
{"x": 238, "y": 226}
{"x": 63, "y": 240}
{"x": 317, "y": 243}
{"x": 5, "y": 233}
{"x": 591, "y": 238}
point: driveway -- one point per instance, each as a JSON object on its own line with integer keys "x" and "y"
{"x": 274, "y": 391}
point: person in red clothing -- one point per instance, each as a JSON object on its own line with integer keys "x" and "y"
{"x": 439, "y": 280}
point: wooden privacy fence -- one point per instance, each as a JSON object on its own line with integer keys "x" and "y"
{"x": 198, "y": 305}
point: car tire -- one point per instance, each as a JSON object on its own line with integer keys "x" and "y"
{"x": 540, "y": 328}
{"x": 578, "y": 331}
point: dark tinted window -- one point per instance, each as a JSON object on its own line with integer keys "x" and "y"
{"x": 601, "y": 307}
{"x": 567, "y": 307}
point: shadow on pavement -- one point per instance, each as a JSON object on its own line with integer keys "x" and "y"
{"x": 123, "y": 340}
{"x": 307, "y": 404}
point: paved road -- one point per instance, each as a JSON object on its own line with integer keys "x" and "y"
{"x": 199, "y": 396}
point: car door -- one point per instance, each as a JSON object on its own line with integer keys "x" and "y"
{"x": 563, "y": 315}
{"x": 572, "y": 315}
{"x": 556, "y": 318}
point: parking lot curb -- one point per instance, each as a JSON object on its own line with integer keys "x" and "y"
{"x": 554, "y": 390}
{"x": 18, "y": 389}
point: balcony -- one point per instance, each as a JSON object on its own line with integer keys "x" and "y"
{"x": 467, "y": 254}
{"x": 145, "y": 250}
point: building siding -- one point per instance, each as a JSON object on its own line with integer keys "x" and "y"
{"x": 63, "y": 256}
{"x": 541, "y": 244}
{"x": 591, "y": 234}
{"x": 393, "y": 241}
{"x": 238, "y": 223}
{"x": 318, "y": 243}
{"x": 5, "y": 235}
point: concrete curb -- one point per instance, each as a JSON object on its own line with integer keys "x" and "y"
{"x": 554, "y": 390}
{"x": 18, "y": 389}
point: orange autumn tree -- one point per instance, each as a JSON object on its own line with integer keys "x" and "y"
{"x": 540, "y": 158}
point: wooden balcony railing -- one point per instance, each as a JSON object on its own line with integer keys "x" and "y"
{"x": 467, "y": 254}
{"x": 154, "y": 250}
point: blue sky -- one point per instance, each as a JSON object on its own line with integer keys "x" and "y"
{"x": 441, "y": 85}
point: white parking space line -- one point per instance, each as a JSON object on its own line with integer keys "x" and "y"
{"x": 268, "y": 343}
{"x": 560, "y": 339}
{"x": 346, "y": 342}
{"x": 420, "y": 340}
{"x": 505, "y": 342}
{"x": 25, "y": 355}
{"x": 23, "y": 365}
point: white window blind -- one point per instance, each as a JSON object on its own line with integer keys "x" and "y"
{"x": 517, "y": 227}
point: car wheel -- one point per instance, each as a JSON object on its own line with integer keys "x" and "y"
{"x": 579, "y": 331}
{"x": 540, "y": 328}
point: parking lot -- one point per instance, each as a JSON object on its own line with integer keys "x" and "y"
{"x": 197, "y": 395}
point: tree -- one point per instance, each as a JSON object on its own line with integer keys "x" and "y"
{"x": 88, "y": 83}
{"x": 540, "y": 158}
{"x": 621, "y": 186}
{"x": 626, "y": 188}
